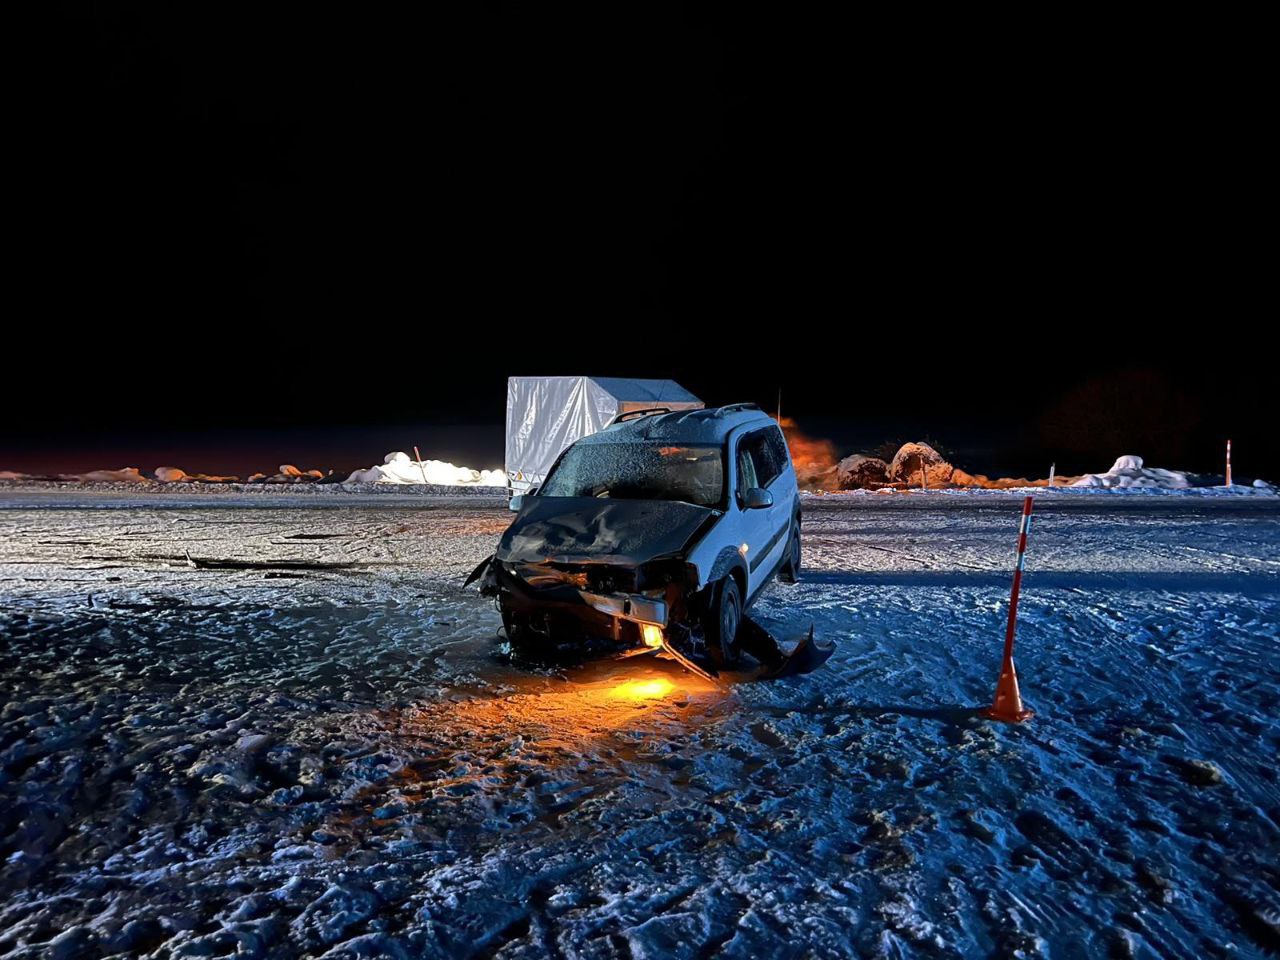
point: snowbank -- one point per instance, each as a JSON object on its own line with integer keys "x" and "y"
{"x": 399, "y": 468}
{"x": 1128, "y": 472}
{"x": 861, "y": 472}
{"x": 916, "y": 460}
{"x": 178, "y": 475}
{"x": 288, "y": 473}
{"x": 123, "y": 475}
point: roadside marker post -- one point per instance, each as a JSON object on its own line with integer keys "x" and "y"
{"x": 1007, "y": 705}
{"x": 417, "y": 456}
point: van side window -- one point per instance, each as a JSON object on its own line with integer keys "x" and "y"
{"x": 778, "y": 449}
{"x": 747, "y": 477}
{"x": 760, "y": 447}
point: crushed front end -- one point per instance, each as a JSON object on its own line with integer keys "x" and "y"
{"x": 576, "y": 576}
{"x": 552, "y": 607}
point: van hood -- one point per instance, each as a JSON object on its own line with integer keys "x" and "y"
{"x": 568, "y": 529}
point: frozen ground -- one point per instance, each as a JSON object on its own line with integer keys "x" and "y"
{"x": 320, "y": 754}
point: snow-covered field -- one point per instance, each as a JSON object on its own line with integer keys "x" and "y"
{"x": 318, "y": 752}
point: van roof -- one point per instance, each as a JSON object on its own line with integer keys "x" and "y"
{"x": 712, "y": 425}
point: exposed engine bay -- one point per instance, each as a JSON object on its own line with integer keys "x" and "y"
{"x": 552, "y": 609}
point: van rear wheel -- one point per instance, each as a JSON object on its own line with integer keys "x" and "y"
{"x": 723, "y": 623}
{"x": 790, "y": 570}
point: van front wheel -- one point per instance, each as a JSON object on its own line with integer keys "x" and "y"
{"x": 723, "y": 622}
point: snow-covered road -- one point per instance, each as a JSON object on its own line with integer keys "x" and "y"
{"x": 313, "y": 749}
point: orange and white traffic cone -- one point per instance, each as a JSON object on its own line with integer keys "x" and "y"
{"x": 1007, "y": 705}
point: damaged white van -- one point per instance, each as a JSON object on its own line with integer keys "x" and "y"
{"x": 653, "y": 535}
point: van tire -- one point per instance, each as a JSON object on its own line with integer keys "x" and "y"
{"x": 789, "y": 572}
{"x": 723, "y": 623}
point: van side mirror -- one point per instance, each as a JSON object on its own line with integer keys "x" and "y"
{"x": 757, "y": 498}
{"x": 516, "y": 502}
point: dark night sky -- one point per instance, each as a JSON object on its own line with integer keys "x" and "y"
{"x": 247, "y": 241}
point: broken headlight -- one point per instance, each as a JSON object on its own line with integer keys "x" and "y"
{"x": 657, "y": 574}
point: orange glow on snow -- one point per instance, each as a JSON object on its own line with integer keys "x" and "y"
{"x": 602, "y": 700}
{"x": 643, "y": 689}
{"x": 551, "y": 724}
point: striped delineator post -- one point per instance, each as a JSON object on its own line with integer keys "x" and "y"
{"x": 1228, "y": 463}
{"x": 1007, "y": 705}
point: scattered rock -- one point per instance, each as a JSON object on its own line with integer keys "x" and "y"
{"x": 72, "y": 942}
{"x": 295, "y": 851}
{"x": 1198, "y": 773}
{"x": 283, "y": 796}
{"x": 971, "y": 827}
{"x": 253, "y": 743}
{"x": 1157, "y": 885}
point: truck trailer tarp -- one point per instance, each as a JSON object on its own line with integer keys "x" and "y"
{"x": 547, "y": 414}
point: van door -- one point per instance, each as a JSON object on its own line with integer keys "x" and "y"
{"x": 765, "y": 530}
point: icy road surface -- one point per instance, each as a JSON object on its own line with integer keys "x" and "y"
{"x": 313, "y": 750}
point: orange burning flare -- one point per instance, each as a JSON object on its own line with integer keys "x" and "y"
{"x": 810, "y": 456}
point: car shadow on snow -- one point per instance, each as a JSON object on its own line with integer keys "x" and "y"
{"x": 1260, "y": 584}
{"x": 952, "y": 714}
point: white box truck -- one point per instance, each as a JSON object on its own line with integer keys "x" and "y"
{"x": 546, "y": 414}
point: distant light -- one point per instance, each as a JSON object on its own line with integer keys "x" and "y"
{"x": 651, "y": 633}
{"x": 743, "y": 549}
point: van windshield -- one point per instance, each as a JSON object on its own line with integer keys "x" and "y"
{"x": 639, "y": 470}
